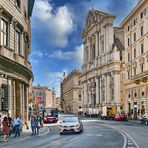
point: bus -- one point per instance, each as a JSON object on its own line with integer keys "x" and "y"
{"x": 50, "y": 115}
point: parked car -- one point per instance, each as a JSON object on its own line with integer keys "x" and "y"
{"x": 120, "y": 117}
{"x": 71, "y": 124}
{"x": 144, "y": 119}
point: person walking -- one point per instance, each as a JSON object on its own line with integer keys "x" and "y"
{"x": 10, "y": 123}
{"x": 17, "y": 123}
{"x": 32, "y": 125}
{"x": 6, "y": 128}
{"x": 36, "y": 125}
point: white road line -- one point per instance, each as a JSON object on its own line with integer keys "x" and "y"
{"x": 125, "y": 136}
{"x": 44, "y": 133}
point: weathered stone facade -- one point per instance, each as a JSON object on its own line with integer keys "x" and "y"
{"x": 72, "y": 92}
{"x": 15, "y": 70}
{"x": 136, "y": 59}
{"x": 102, "y": 66}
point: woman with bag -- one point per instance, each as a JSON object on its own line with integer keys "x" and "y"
{"x": 6, "y": 128}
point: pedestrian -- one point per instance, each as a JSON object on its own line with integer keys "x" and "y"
{"x": 17, "y": 123}
{"x": 36, "y": 125}
{"x": 32, "y": 125}
{"x": 10, "y": 123}
{"x": 6, "y": 128}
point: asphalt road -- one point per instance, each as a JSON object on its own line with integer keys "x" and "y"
{"x": 97, "y": 134}
{"x": 94, "y": 136}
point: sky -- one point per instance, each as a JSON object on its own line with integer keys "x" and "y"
{"x": 56, "y": 44}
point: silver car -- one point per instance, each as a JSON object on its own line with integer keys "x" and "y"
{"x": 71, "y": 124}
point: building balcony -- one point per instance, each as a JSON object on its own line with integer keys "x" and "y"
{"x": 141, "y": 77}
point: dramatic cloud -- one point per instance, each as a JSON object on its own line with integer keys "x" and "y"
{"x": 54, "y": 24}
{"x": 75, "y": 56}
{"x": 120, "y": 8}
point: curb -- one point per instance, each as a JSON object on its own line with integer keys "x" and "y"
{"x": 28, "y": 136}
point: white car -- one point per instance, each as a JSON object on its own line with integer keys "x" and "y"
{"x": 71, "y": 124}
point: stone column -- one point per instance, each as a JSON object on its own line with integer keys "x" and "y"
{"x": 117, "y": 87}
{"x": 99, "y": 52}
{"x": 96, "y": 45}
{"x": 108, "y": 97}
{"x": 14, "y": 95}
{"x": 105, "y": 83}
{"x": 89, "y": 51}
{"x": 85, "y": 94}
{"x": 26, "y": 100}
{"x": 100, "y": 79}
{"x": 21, "y": 100}
{"x": 97, "y": 90}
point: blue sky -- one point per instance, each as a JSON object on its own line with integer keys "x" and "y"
{"x": 56, "y": 44}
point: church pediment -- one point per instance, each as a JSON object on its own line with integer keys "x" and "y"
{"x": 95, "y": 16}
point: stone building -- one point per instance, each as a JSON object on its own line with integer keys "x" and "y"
{"x": 136, "y": 59}
{"x": 42, "y": 97}
{"x": 57, "y": 103}
{"x": 72, "y": 92}
{"x": 103, "y": 63}
{"x": 15, "y": 69}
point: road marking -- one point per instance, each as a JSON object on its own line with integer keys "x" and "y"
{"x": 40, "y": 135}
{"x": 126, "y": 136}
{"x": 92, "y": 135}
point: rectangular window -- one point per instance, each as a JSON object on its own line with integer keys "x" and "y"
{"x": 134, "y": 36}
{"x": 134, "y": 53}
{"x": 141, "y": 15}
{"x": 128, "y": 41}
{"x": 142, "y": 48}
{"x": 128, "y": 57}
{"x": 142, "y": 31}
{"x": 134, "y": 71}
{"x": 134, "y": 22}
{"x": 4, "y": 32}
{"x": 142, "y": 68}
{"x": 128, "y": 28}
{"x": 17, "y": 41}
{"x": 18, "y": 3}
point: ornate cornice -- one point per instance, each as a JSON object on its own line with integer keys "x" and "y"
{"x": 16, "y": 68}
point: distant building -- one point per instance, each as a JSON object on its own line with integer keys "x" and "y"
{"x": 103, "y": 61}
{"x": 57, "y": 103}
{"x": 135, "y": 27}
{"x": 72, "y": 92}
{"x": 15, "y": 70}
{"x": 42, "y": 97}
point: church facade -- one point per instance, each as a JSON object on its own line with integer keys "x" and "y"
{"x": 102, "y": 70}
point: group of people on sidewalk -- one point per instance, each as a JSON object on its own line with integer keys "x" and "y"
{"x": 36, "y": 123}
{"x": 10, "y": 126}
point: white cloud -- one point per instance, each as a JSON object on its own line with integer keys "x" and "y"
{"x": 55, "y": 25}
{"x": 76, "y": 55}
{"x": 37, "y": 53}
{"x": 54, "y": 79}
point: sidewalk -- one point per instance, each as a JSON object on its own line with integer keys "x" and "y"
{"x": 25, "y": 134}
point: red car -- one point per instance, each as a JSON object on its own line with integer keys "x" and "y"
{"x": 120, "y": 117}
{"x": 50, "y": 119}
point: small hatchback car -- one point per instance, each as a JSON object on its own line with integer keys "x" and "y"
{"x": 71, "y": 124}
